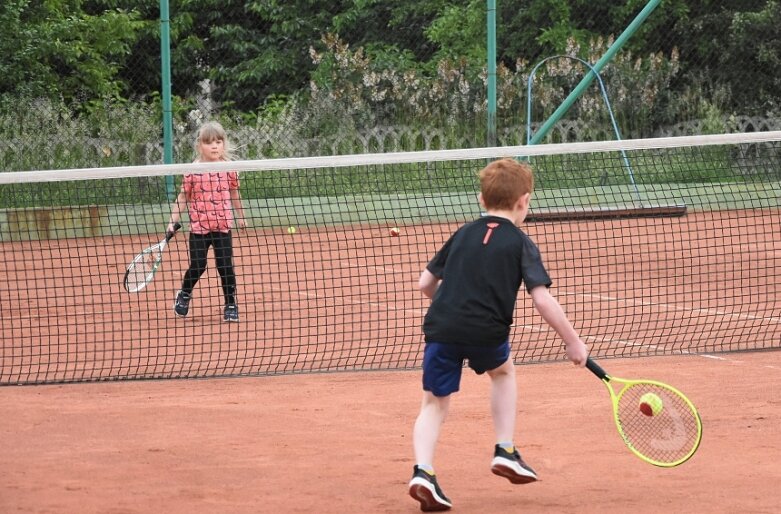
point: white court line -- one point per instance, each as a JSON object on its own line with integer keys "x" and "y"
{"x": 736, "y": 361}
{"x": 626, "y": 301}
{"x": 384, "y": 269}
{"x": 387, "y": 306}
{"x": 714, "y": 357}
{"x": 674, "y": 307}
{"x": 535, "y": 328}
{"x": 422, "y": 312}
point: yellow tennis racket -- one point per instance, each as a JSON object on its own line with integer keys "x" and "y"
{"x": 656, "y": 421}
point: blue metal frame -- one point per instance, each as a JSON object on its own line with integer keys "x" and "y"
{"x": 529, "y": 83}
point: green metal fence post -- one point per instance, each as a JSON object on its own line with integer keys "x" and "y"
{"x": 491, "y": 21}
{"x": 165, "y": 60}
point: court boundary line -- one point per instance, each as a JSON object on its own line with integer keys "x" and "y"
{"x": 628, "y": 343}
{"x": 675, "y": 307}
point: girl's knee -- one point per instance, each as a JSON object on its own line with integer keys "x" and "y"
{"x": 197, "y": 270}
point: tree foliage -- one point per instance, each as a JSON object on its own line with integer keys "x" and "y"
{"x": 258, "y": 51}
{"x": 56, "y": 48}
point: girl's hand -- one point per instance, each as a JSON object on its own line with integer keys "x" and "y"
{"x": 241, "y": 223}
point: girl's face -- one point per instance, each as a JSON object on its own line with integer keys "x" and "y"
{"x": 213, "y": 150}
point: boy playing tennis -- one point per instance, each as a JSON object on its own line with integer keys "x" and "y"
{"x": 473, "y": 282}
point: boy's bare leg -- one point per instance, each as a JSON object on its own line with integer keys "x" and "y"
{"x": 507, "y": 460}
{"x": 424, "y": 486}
{"x": 433, "y": 411}
{"x": 504, "y": 395}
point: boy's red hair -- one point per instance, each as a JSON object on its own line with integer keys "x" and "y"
{"x": 504, "y": 181}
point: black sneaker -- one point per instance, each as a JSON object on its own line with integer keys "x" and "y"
{"x": 231, "y": 313}
{"x": 424, "y": 488}
{"x": 511, "y": 466}
{"x": 182, "y": 304}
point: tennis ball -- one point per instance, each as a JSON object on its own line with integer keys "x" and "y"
{"x": 394, "y": 232}
{"x": 291, "y": 230}
{"x": 650, "y": 404}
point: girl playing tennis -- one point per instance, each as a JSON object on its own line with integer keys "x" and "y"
{"x": 211, "y": 199}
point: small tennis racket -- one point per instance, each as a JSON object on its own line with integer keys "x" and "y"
{"x": 142, "y": 270}
{"x": 656, "y": 421}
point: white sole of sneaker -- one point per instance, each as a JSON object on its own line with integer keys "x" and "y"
{"x": 424, "y": 492}
{"x": 512, "y": 471}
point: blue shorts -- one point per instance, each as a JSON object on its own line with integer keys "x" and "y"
{"x": 442, "y": 364}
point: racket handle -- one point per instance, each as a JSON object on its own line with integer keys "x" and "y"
{"x": 170, "y": 235}
{"x": 596, "y": 369}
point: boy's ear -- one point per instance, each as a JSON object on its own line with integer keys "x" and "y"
{"x": 480, "y": 199}
{"x": 524, "y": 200}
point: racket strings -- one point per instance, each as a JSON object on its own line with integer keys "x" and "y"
{"x": 667, "y": 436}
{"x": 142, "y": 269}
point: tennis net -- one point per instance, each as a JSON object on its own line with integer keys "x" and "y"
{"x": 656, "y": 246}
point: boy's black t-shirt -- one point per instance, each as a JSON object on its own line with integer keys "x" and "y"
{"x": 482, "y": 267}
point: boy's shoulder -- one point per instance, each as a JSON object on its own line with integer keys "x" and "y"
{"x": 477, "y": 233}
{"x": 487, "y": 221}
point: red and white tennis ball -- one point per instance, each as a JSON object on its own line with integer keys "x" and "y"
{"x": 394, "y": 232}
{"x": 650, "y": 404}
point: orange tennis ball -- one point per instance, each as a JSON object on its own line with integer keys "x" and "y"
{"x": 394, "y": 232}
{"x": 650, "y": 404}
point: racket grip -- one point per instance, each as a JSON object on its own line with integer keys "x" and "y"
{"x": 170, "y": 235}
{"x": 596, "y": 369}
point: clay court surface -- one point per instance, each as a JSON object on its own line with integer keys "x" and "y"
{"x": 346, "y": 298}
{"x": 340, "y": 442}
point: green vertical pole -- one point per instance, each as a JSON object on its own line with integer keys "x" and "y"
{"x": 491, "y": 22}
{"x": 165, "y": 62}
{"x": 580, "y": 88}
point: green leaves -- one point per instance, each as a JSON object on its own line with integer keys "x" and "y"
{"x": 374, "y": 62}
{"x": 460, "y": 32}
{"x": 54, "y": 49}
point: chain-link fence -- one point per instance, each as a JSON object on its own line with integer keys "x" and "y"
{"x": 80, "y": 81}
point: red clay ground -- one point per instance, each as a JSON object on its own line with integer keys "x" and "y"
{"x": 337, "y": 443}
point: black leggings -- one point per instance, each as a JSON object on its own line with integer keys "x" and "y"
{"x": 223, "y": 255}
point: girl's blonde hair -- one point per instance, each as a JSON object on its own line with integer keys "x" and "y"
{"x": 210, "y": 131}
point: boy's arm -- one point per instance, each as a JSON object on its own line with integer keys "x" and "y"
{"x": 551, "y": 311}
{"x": 428, "y": 283}
{"x": 239, "y": 208}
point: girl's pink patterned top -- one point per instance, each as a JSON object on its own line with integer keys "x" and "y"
{"x": 209, "y": 201}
